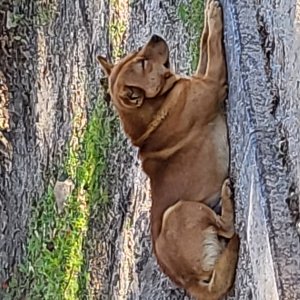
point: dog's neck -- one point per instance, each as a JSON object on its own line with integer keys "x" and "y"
{"x": 157, "y": 120}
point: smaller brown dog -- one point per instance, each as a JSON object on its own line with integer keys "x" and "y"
{"x": 179, "y": 126}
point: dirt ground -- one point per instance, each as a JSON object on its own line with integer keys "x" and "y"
{"x": 49, "y": 70}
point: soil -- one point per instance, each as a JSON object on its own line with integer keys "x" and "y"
{"x": 50, "y": 72}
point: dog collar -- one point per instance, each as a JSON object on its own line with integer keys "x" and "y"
{"x": 157, "y": 120}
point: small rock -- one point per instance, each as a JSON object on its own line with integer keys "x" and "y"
{"x": 62, "y": 191}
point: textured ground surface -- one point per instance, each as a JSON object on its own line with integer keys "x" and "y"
{"x": 57, "y": 63}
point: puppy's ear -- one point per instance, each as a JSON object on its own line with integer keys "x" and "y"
{"x": 132, "y": 97}
{"x": 105, "y": 65}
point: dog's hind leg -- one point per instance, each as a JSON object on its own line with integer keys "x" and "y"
{"x": 225, "y": 222}
{"x": 216, "y": 66}
{"x": 224, "y": 270}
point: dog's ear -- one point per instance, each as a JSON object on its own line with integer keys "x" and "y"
{"x": 105, "y": 65}
{"x": 132, "y": 97}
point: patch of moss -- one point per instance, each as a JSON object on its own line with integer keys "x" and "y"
{"x": 192, "y": 15}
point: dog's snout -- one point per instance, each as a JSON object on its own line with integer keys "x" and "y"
{"x": 156, "y": 38}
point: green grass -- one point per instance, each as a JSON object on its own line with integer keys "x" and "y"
{"x": 53, "y": 267}
{"x": 117, "y": 29}
{"x": 46, "y": 11}
{"x": 192, "y": 15}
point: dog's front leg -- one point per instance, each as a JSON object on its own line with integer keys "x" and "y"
{"x": 216, "y": 66}
{"x": 202, "y": 65}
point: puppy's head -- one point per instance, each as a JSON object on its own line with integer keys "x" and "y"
{"x": 143, "y": 74}
{"x": 138, "y": 85}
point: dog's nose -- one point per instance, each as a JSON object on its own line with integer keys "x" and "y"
{"x": 156, "y": 38}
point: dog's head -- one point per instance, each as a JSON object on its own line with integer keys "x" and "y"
{"x": 137, "y": 83}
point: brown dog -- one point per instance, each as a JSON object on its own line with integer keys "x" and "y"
{"x": 179, "y": 126}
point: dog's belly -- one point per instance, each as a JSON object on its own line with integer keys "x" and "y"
{"x": 220, "y": 145}
{"x": 195, "y": 173}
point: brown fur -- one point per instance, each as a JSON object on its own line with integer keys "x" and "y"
{"x": 179, "y": 126}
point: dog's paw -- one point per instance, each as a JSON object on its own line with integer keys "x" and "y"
{"x": 214, "y": 9}
{"x": 214, "y": 15}
{"x": 208, "y": 2}
{"x": 226, "y": 189}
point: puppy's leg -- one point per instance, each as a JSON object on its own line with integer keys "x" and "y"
{"x": 216, "y": 66}
{"x": 201, "y": 69}
{"x": 225, "y": 222}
